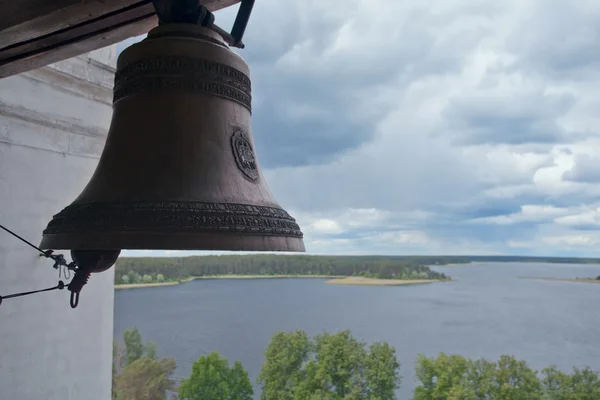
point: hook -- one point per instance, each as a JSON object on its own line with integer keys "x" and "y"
{"x": 74, "y": 299}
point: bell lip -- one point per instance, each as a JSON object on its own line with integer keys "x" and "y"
{"x": 172, "y": 241}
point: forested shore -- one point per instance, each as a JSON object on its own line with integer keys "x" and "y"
{"x": 139, "y": 270}
{"x": 146, "y": 270}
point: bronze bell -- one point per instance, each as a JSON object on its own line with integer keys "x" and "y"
{"x": 178, "y": 170}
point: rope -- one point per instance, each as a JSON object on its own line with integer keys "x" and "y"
{"x": 24, "y": 241}
{"x": 59, "y": 261}
{"x": 59, "y": 286}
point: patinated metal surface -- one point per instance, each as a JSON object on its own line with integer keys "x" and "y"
{"x": 174, "y": 217}
{"x": 183, "y": 74}
{"x": 179, "y": 170}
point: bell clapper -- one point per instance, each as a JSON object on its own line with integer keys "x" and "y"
{"x": 88, "y": 262}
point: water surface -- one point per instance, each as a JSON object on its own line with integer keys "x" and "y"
{"x": 486, "y": 312}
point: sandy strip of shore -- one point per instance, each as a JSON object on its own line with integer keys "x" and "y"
{"x": 156, "y": 284}
{"x": 265, "y": 276}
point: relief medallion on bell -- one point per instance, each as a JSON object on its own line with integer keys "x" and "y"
{"x": 244, "y": 154}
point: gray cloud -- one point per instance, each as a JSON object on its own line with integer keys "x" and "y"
{"x": 586, "y": 169}
{"x": 317, "y": 94}
{"x": 508, "y": 119}
{"x": 561, "y": 41}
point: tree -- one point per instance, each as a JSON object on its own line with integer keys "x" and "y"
{"x": 124, "y": 279}
{"x": 269, "y": 264}
{"x": 147, "y": 278}
{"x": 136, "y": 372}
{"x": 212, "y": 378}
{"x": 135, "y": 277}
{"x": 440, "y": 377}
{"x": 456, "y": 377}
{"x": 382, "y": 371}
{"x": 117, "y": 366}
{"x": 160, "y": 278}
{"x": 282, "y": 372}
{"x": 241, "y": 388}
{"x": 150, "y": 350}
{"x": 330, "y": 366}
{"x": 146, "y": 379}
{"x": 514, "y": 380}
{"x": 340, "y": 360}
{"x": 134, "y": 349}
{"x": 582, "y": 384}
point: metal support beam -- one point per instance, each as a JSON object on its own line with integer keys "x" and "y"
{"x": 34, "y": 33}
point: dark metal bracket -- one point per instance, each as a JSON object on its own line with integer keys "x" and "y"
{"x": 191, "y": 12}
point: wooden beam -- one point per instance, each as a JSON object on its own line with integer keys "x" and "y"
{"x": 35, "y": 33}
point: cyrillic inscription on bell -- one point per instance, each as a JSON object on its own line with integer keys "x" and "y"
{"x": 179, "y": 170}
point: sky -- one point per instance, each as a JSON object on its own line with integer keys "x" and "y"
{"x": 429, "y": 126}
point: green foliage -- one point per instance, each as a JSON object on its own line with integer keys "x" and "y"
{"x": 330, "y": 366}
{"x": 146, "y": 379}
{"x": 382, "y": 371}
{"x": 340, "y": 367}
{"x": 134, "y": 349}
{"x": 514, "y": 380}
{"x": 134, "y": 277}
{"x": 136, "y": 372}
{"x": 150, "y": 350}
{"x": 283, "y": 371}
{"x": 212, "y": 378}
{"x": 160, "y": 278}
{"x": 441, "y": 377}
{"x": 176, "y": 269}
{"x": 456, "y": 377}
{"x": 582, "y": 384}
{"x": 147, "y": 278}
{"x": 124, "y": 279}
{"x": 117, "y": 366}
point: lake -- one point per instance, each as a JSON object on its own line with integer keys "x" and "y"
{"x": 486, "y": 312}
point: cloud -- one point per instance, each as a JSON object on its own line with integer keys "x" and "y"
{"x": 572, "y": 240}
{"x": 528, "y": 213}
{"x": 586, "y": 169}
{"x": 583, "y": 218}
{"x": 430, "y": 127}
{"x": 512, "y": 119}
{"x": 560, "y": 39}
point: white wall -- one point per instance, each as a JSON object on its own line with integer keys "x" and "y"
{"x": 53, "y": 124}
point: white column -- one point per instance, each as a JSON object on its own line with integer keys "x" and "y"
{"x": 53, "y": 124}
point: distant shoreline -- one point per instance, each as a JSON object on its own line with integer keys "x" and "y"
{"x": 157, "y": 284}
{"x": 454, "y": 264}
{"x": 124, "y": 286}
{"x": 541, "y": 278}
{"x": 333, "y": 279}
{"x": 526, "y": 261}
{"x": 359, "y": 280}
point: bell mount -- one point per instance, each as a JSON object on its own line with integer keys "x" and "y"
{"x": 192, "y": 12}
